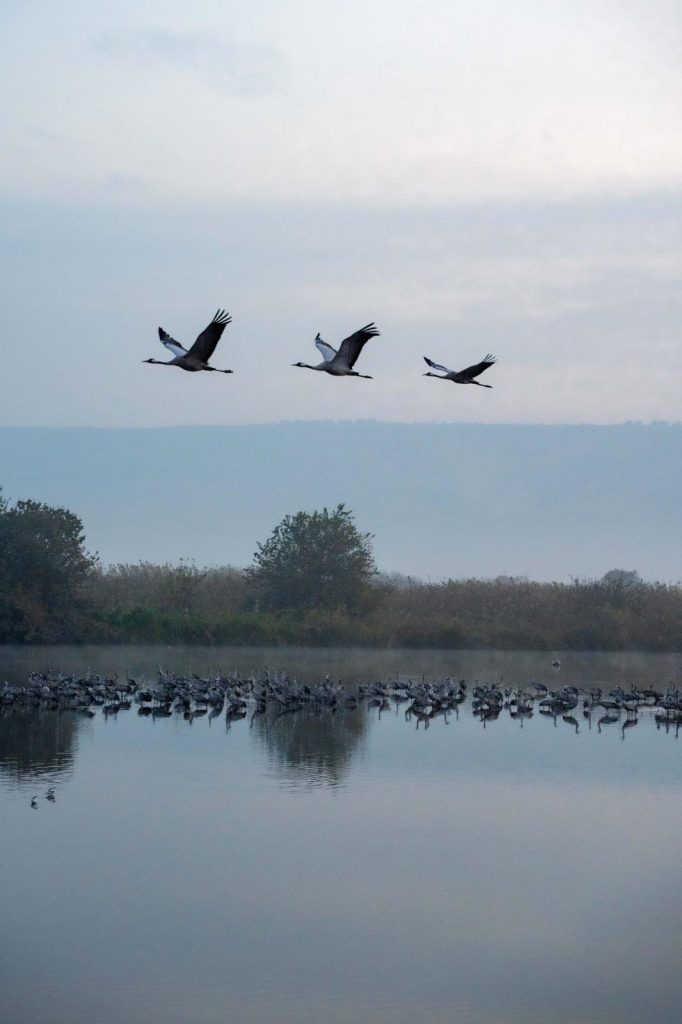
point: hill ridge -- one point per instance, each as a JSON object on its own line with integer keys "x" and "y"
{"x": 444, "y": 499}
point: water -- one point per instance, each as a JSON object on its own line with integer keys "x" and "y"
{"x": 348, "y": 868}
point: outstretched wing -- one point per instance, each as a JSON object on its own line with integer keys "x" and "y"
{"x": 351, "y": 347}
{"x": 171, "y": 344}
{"x": 327, "y": 351}
{"x": 204, "y": 347}
{"x": 436, "y": 366}
{"x": 473, "y": 371}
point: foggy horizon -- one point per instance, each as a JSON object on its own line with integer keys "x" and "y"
{"x": 462, "y": 500}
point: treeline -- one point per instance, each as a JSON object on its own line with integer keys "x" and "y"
{"x": 313, "y": 581}
{"x": 172, "y": 604}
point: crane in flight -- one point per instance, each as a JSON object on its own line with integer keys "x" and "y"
{"x": 341, "y": 363}
{"x": 462, "y": 376}
{"x": 197, "y": 357}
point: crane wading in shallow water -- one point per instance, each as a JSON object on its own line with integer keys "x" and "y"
{"x": 462, "y": 376}
{"x": 341, "y": 363}
{"x": 201, "y": 351}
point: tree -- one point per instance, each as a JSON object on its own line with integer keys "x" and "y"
{"x": 42, "y": 568}
{"x": 313, "y": 560}
{"x": 620, "y": 581}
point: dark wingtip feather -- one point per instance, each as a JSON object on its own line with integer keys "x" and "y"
{"x": 221, "y": 317}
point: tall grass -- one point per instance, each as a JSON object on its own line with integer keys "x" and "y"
{"x": 166, "y": 603}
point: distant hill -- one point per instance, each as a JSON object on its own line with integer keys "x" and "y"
{"x": 459, "y": 500}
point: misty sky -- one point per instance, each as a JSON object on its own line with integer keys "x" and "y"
{"x": 475, "y": 178}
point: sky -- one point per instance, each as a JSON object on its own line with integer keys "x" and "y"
{"x": 474, "y": 178}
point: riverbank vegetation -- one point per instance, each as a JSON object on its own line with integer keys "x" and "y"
{"x": 167, "y": 604}
{"x": 312, "y": 582}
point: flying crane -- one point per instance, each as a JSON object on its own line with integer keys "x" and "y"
{"x": 341, "y": 363}
{"x": 201, "y": 351}
{"x": 462, "y": 376}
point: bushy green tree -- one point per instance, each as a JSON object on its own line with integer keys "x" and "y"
{"x": 43, "y": 565}
{"x": 313, "y": 560}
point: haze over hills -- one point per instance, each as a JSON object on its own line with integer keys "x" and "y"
{"x": 443, "y": 500}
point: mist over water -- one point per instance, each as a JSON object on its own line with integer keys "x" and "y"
{"x": 346, "y": 867}
{"x": 361, "y": 664}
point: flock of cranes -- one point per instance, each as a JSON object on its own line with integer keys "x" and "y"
{"x": 235, "y": 695}
{"x": 337, "y": 362}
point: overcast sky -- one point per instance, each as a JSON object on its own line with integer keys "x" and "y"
{"x": 488, "y": 177}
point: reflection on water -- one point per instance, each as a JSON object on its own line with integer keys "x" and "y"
{"x": 347, "y": 867}
{"x": 35, "y": 743}
{"x": 313, "y": 748}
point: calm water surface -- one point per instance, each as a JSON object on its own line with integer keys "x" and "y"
{"x": 347, "y": 868}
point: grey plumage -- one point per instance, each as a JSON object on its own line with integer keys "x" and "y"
{"x": 197, "y": 357}
{"x": 465, "y": 376}
{"x": 340, "y": 363}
